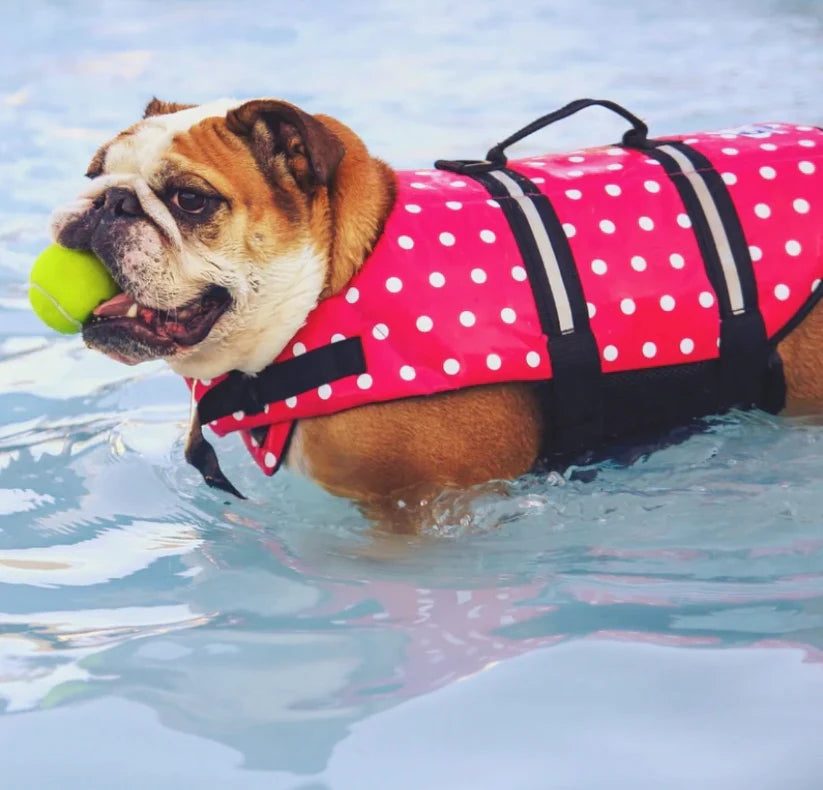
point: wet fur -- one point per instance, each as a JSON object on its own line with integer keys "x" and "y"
{"x": 306, "y": 203}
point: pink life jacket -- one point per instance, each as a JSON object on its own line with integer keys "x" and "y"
{"x": 643, "y": 284}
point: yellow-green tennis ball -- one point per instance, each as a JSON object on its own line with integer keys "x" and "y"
{"x": 65, "y": 286}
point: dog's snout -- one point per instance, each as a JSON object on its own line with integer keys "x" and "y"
{"x": 122, "y": 202}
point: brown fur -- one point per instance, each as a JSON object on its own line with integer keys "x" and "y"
{"x": 291, "y": 177}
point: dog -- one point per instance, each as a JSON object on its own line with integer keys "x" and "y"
{"x": 228, "y": 225}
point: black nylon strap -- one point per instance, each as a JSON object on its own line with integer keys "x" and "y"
{"x": 281, "y": 380}
{"x": 573, "y": 398}
{"x": 744, "y": 350}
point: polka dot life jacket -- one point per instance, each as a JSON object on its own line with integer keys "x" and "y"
{"x": 639, "y": 285}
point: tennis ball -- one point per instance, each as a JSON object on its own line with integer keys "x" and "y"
{"x": 65, "y": 286}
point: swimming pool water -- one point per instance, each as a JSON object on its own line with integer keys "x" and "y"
{"x": 660, "y": 626}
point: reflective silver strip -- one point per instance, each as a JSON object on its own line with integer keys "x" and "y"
{"x": 544, "y": 246}
{"x": 721, "y": 240}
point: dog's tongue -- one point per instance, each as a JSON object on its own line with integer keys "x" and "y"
{"x": 114, "y": 307}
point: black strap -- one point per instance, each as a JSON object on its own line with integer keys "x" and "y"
{"x": 572, "y": 399}
{"x": 744, "y": 350}
{"x": 281, "y": 380}
{"x": 636, "y": 137}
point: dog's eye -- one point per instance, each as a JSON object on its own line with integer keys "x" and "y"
{"x": 189, "y": 201}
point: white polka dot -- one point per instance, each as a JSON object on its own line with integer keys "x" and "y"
{"x": 533, "y": 359}
{"x": 364, "y": 381}
{"x": 394, "y": 285}
{"x": 686, "y": 345}
{"x": 298, "y": 348}
{"x": 801, "y": 206}
{"x": 492, "y": 203}
{"x": 756, "y": 253}
{"x": 422, "y": 172}
{"x": 407, "y": 373}
{"x": 413, "y": 208}
{"x": 814, "y": 285}
{"x": 569, "y": 229}
{"x": 270, "y": 460}
{"x": 337, "y": 337}
{"x": 646, "y": 223}
{"x": 239, "y": 415}
{"x": 627, "y": 306}
{"x": 762, "y": 211}
{"x": 677, "y": 260}
{"x": 614, "y": 166}
{"x": 467, "y": 318}
{"x": 807, "y": 168}
{"x": 638, "y": 263}
{"x": 577, "y": 159}
{"x": 613, "y": 190}
{"x": 793, "y": 248}
{"x": 653, "y": 161}
{"x": 729, "y": 178}
{"x": 667, "y": 303}
{"x": 592, "y": 309}
{"x": 575, "y": 173}
{"x": 507, "y": 315}
{"x": 205, "y": 382}
{"x": 574, "y": 194}
{"x": 730, "y": 151}
{"x": 690, "y": 141}
{"x": 451, "y": 367}
{"x": 729, "y": 136}
{"x": 649, "y": 350}
{"x": 610, "y": 353}
{"x": 418, "y": 185}
{"x": 652, "y": 186}
{"x": 447, "y": 239}
{"x": 684, "y": 221}
{"x": 487, "y": 236}
{"x": 607, "y": 226}
{"x": 380, "y": 331}
{"x": 782, "y": 292}
{"x": 424, "y": 323}
{"x": 478, "y": 276}
{"x": 457, "y": 184}
{"x": 352, "y": 295}
{"x": 615, "y": 152}
{"x": 324, "y": 391}
{"x": 405, "y": 242}
{"x": 806, "y": 143}
{"x": 599, "y": 267}
{"x": 493, "y": 362}
{"x": 804, "y": 128}
{"x": 454, "y": 205}
{"x": 538, "y": 180}
{"x": 291, "y": 402}
{"x": 437, "y": 280}
{"x": 768, "y": 173}
{"x": 519, "y": 273}
{"x": 768, "y": 146}
{"x": 706, "y": 299}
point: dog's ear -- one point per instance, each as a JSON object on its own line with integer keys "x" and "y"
{"x": 157, "y": 107}
{"x": 277, "y": 129}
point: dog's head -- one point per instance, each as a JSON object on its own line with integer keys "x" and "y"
{"x": 224, "y": 224}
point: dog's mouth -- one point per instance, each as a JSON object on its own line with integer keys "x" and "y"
{"x": 131, "y": 332}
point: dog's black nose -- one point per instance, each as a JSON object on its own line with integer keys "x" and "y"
{"x": 123, "y": 202}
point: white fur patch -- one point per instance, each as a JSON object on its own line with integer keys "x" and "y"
{"x": 140, "y": 151}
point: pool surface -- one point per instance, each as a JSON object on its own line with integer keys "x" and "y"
{"x": 660, "y": 626}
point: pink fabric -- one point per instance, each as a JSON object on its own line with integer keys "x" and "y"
{"x": 443, "y": 302}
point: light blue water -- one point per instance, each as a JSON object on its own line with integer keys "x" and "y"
{"x": 660, "y": 627}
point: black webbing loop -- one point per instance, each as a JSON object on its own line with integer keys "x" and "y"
{"x": 636, "y": 137}
{"x": 281, "y": 380}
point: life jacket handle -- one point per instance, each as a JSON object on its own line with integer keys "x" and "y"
{"x": 636, "y": 137}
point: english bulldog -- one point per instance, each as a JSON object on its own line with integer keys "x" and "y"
{"x": 227, "y": 225}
